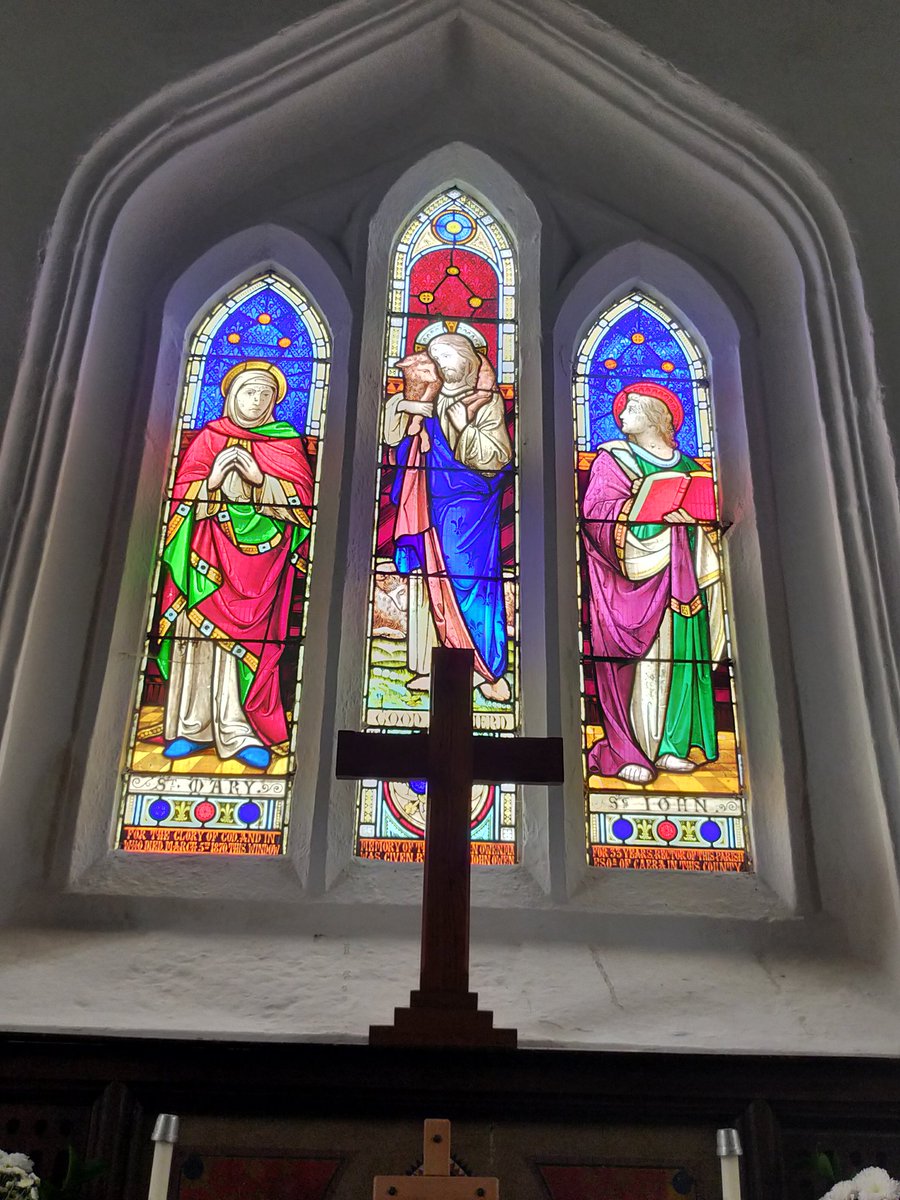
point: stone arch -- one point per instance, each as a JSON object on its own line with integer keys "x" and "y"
{"x": 591, "y": 127}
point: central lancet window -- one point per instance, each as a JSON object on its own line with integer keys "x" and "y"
{"x": 214, "y": 746}
{"x": 663, "y": 771}
{"x": 444, "y": 565}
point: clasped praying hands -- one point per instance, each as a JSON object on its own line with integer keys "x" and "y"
{"x": 234, "y": 458}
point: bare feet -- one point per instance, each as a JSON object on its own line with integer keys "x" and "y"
{"x": 671, "y": 762}
{"x": 419, "y": 683}
{"x": 498, "y": 690}
{"x": 635, "y": 773}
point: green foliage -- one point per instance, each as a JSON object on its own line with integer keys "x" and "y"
{"x": 78, "y": 1173}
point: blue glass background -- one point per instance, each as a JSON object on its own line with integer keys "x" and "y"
{"x": 636, "y": 362}
{"x": 260, "y": 341}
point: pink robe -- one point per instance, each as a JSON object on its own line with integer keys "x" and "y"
{"x": 625, "y": 614}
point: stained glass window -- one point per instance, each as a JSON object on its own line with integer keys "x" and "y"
{"x": 664, "y": 777}
{"x": 444, "y": 554}
{"x": 213, "y": 746}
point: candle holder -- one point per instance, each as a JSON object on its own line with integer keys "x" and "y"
{"x": 165, "y": 1136}
{"x": 729, "y": 1150}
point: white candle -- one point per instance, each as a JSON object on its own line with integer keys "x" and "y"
{"x": 165, "y": 1135}
{"x": 728, "y": 1148}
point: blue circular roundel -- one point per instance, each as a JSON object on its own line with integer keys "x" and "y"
{"x": 159, "y": 810}
{"x": 454, "y": 227}
{"x": 249, "y": 812}
{"x": 622, "y": 828}
{"x": 710, "y": 831}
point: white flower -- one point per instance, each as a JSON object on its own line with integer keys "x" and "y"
{"x": 20, "y": 1160}
{"x": 17, "y": 1178}
{"x": 874, "y": 1183}
{"x": 846, "y": 1190}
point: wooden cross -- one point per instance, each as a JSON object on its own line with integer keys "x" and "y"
{"x": 443, "y": 1012}
{"x": 435, "y": 1182}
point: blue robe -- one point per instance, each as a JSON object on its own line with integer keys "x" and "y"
{"x": 464, "y": 507}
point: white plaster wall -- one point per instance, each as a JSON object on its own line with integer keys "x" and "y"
{"x": 310, "y": 135}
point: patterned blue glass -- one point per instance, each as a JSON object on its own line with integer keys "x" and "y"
{"x": 283, "y": 339}
{"x": 636, "y": 360}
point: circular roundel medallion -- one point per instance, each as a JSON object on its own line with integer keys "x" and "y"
{"x": 622, "y": 828}
{"x": 667, "y": 830}
{"x": 159, "y": 810}
{"x": 406, "y": 803}
{"x": 249, "y": 812}
{"x": 710, "y": 831}
{"x": 454, "y": 227}
{"x": 204, "y": 811}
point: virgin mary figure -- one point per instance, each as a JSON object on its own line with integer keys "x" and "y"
{"x": 657, "y": 619}
{"x": 234, "y": 540}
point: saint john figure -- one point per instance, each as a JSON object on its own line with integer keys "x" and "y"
{"x": 657, "y": 622}
{"x": 235, "y": 537}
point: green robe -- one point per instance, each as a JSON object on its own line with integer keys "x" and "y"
{"x": 690, "y": 718}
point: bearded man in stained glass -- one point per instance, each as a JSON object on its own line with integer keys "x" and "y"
{"x": 657, "y": 618}
{"x": 235, "y": 538}
{"x": 453, "y": 450}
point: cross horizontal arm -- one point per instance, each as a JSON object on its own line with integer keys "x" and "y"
{"x": 517, "y": 760}
{"x": 405, "y": 756}
{"x": 381, "y": 755}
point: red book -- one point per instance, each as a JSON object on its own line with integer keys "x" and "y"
{"x": 665, "y": 491}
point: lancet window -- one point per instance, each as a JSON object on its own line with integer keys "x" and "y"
{"x": 663, "y": 770}
{"x": 444, "y": 565}
{"x": 214, "y": 737}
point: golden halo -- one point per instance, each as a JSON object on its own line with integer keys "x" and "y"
{"x": 256, "y": 364}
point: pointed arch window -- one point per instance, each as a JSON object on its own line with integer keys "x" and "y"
{"x": 663, "y": 770}
{"x": 444, "y": 566}
{"x": 213, "y": 742}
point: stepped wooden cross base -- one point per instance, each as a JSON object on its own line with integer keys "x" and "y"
{"x": 443, "y": 1012}
{"x": 442, "y": 1019}
{"x": 435, "y": 1181}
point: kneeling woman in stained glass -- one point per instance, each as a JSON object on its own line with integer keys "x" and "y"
{"x": 657, "y": 624}
{"x": 235, "y": 535}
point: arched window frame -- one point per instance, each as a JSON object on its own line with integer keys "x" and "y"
{"x": 487, "y": 242}
{"x": 730, "y": 847}
{"x": 455, "y": 165}
{"x": 95, "y": 865}
{"x": 770, "y": 737}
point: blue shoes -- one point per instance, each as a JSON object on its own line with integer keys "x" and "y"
{"x": 182, "y": 747}
{"x": 254, "y": 756}
{"x": 257, "y": 757}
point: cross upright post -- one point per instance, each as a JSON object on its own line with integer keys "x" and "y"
{"x": 446, "y": 886}
{"x": 442, "y": 1011}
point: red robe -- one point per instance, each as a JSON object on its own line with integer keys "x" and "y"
{"x": 247, "y": 613}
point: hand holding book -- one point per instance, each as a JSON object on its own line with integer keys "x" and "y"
{"x": 674, "y": 498}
